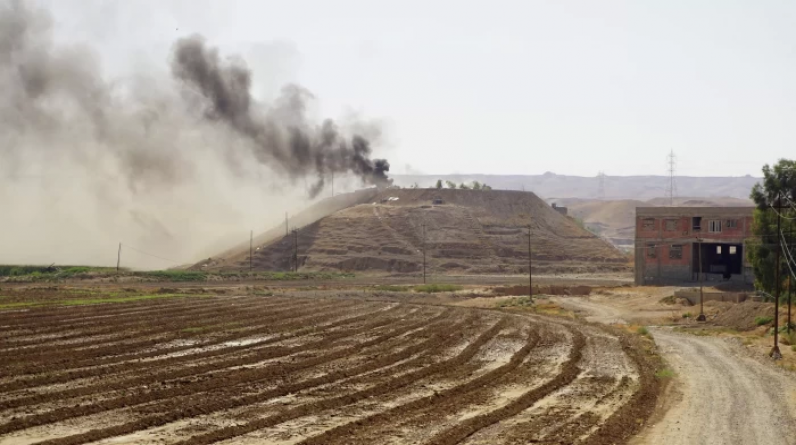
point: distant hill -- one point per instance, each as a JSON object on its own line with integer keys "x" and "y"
{"x": 551, "y": 185}
{"x": 466, "y": 232}
{"x": 613, "y": 220}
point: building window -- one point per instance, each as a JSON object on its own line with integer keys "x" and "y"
{"x": 731, "y": 223}
{"x": 651, "y": 250}
{"x": 733, "y": 250}
{"x": 676, "y": 252}
{"x": 671, "y": 225}
{"x": 714, "y": 226}
{"x": 696, "y": 223}
{"x": 648, "y": 224}
{"x": 718, "y": 250}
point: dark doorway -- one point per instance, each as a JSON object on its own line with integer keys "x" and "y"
{"x": 719, "y": 259}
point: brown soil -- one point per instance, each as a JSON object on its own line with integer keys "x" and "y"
{"x": 288, "y": 368}
{"x": 740, "y": 316}
{"x": 471, "y": 232}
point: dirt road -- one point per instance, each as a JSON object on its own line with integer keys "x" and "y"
{"x": 722, "y": 395}
{"x": 728, "y": 398}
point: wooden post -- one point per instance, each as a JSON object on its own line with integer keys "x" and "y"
{"x": 119, "y": 258}
{"x": 775, "y": 353}
{"x": 790, "y": 295}
{"x": 424, "y": 253}
{"x": 530, "y": 274}
{"x": 701, "y": 316}
{"x": 295, "y": 249}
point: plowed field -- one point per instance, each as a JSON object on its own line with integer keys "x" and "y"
{"x": 279, "y": 370}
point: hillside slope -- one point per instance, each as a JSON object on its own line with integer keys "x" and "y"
{"x": 614, "y": 219}
{"x": 473, "y": 232}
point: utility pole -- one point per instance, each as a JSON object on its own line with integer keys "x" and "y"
{"x": 286, "y": 229}
{"x": 775, "y": 353}
{"x": 424, "y": 253}
{"x": 701, "y": 316}
{"x": 295, "y": 249}
{"x": 790, "y": 277}
{"x": 790, "y": 281}
{"x": 119, "y": 258}
{"x": 251, "y": 249}
{"x": 530, "y": 273}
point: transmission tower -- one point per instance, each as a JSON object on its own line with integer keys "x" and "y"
{"x": 601, "y": 185}
{"x": 672, "y": 189}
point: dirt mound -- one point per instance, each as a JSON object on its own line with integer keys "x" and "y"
{"x": 742, "y": 316}
{"x": 466, "y": 231}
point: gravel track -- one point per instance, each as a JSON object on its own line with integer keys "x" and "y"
{"x": 727, "y": 397}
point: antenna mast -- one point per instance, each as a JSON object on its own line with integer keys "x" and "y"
{"x": 672, "y": 160}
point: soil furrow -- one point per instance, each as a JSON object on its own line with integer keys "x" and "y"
{"x": 155, "y": 337}
{"x": 148, "y": 326}
{"x": 262, "y": 327}
{"x": 125, "y": 364}
{"x": 226, "y": 380}
{"x": 346, "y": 431}
{"x": 183, "y": 361}
{"x": 569, "y": 372}
{"x": 205, "y": 406}
{"x": 147, "y": 320}
{"x": 335, "y": 402}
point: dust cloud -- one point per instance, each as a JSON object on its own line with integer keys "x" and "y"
{"x": 176, "y": 166}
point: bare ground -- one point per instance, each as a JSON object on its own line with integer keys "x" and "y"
{"x": 721, "y": 395}
{"x": 727, "y": 397}
{"x": 285, "y": 369}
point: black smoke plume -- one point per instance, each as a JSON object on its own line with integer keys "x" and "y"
{"x": 170, "y": 161}
{"x": 296, "y": 146}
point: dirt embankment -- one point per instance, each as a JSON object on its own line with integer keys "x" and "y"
{"x": 460, "y": 231}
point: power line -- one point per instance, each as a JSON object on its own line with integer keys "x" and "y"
{"x": 792, "y": 218}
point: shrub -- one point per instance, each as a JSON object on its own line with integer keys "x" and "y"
{"x": 391, "y": 288}
{"x": 432, "y": 288}
{"x": 642, "y": 330}
{"x": 760, "y": 321}
{"x": 687, "y": 315}
{"x": 668, "y": 300}
{"x": 664, "y": 373}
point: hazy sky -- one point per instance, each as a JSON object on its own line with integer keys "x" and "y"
{"x": 503, "y": 87}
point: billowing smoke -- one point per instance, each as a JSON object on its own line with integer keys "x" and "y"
{"x": 169, "y": 162}
{"x": 298, "y": 147}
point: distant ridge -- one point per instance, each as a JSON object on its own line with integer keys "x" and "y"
{"x": 551, "y": 185}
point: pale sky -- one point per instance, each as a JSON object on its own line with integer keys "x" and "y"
{"x": 502, "y": 87}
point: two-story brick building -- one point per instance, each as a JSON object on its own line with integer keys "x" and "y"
{"x": 669, "y": 239}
